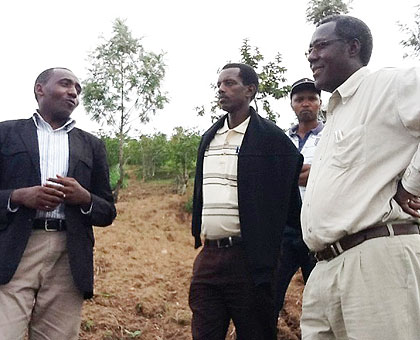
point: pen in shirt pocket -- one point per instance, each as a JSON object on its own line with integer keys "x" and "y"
{"x": 237, "y": 149}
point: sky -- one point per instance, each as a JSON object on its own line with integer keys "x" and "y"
{"x": 198, "y": 38}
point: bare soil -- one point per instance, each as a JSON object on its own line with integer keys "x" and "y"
{"x": 143, "y": 266}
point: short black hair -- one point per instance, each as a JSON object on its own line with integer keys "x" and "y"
{"x": 349, "y": 28}
{"x": 247, "y": 74}
{"x": 45, "y": 75}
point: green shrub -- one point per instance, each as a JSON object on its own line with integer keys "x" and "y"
{"x": 114, "y": 175}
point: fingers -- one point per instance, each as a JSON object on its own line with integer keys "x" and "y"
{"x": 55, "y": 191}
{"x": 411, "y": 206}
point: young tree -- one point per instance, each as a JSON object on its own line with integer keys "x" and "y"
{"x": 412, "y": 42}
{"x": 124, "y": 80}
{"x": 182, "y": 156}
{"x": 153, "y": 153}
{"x": 319, "y": 9}
{"x": 271, "y": 76}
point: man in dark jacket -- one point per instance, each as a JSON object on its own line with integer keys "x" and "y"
{"x": 54, "y": 185}
{"x": 246, "y": 189}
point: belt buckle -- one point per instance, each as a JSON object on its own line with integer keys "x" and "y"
{"x": 220, "y": 245}
{"x": 49, "y": 229}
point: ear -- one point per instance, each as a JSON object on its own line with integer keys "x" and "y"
{"x": 354, "y": 47}
{"x": 38, "y": 90}
{"x": 251, "y": 90}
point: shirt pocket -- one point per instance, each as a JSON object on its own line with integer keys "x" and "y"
{"x": 349, "y": 148}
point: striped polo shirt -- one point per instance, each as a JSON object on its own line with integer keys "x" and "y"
{"x": 220, "y": 216}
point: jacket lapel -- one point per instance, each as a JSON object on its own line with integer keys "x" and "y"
{"x": 76, "y": 146}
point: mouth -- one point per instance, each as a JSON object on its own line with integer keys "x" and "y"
{"x": 71, "y": 102}
{"x": 316, "y": 70}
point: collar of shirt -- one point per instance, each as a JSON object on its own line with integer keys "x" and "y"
{"x": 350, "y": 86}
{"x": 40, "y": 123}
{"x": 314, "y": 131}
{"x": 241, "y": 128}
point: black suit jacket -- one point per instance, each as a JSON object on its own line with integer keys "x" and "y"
{"x": 19, "y": 168}
{"x": 268, "y": 194}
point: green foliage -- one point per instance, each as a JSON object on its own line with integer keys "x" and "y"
{"x": 156, "y": 157}
{"x": 182, "y": 154}
{"x": 271, "y": 76}
{"x": 114, "y": 176}
{"x": 319, "y": 9}
{"x": 412, "y": 41}
{"x": 153, "y": 152}
{"x": 111, "y": 145}
{"x": 123, "y": 79}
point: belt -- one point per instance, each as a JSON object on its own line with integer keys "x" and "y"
{"x": 223, "y": 242}
{"x": 349, "y": 241}
{"x": 49, "y": 224}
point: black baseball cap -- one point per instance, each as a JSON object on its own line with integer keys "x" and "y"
{"x": 304, "y": 84}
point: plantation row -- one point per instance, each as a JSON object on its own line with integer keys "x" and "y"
{"x": 156, "y": 156}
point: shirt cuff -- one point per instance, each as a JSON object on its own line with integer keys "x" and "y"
{"x": 9, "y": 206}
{"x": 84, "y": 212}
{"x": 411, "y": 180}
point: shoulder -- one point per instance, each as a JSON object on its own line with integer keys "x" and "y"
{"x": 7, "y": 124}
{"x": 266, "y": 127}
{"x": 269, "y": 136}
{"x": 389, "y": 74}
{"x": 10, "y": 127}
{"x": 87, "y": 137}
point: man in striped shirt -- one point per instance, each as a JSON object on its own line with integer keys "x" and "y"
{"x": 246, "y": 188}
{"x": 54, "y": 185}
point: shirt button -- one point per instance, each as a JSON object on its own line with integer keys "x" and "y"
{"x": 310, "y": 230}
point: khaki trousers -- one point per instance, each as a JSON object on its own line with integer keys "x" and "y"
{"x": 370, "y": 292}
{"x": 41, "y": 298}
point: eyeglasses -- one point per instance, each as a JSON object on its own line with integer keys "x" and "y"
{"x": 320, "y": 45}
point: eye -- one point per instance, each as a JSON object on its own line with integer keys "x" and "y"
{"x": 321, "y": 45}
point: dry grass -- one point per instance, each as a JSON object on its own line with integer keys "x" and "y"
{"x": 143, "y": 268}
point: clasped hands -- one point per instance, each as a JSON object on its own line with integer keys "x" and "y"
{"x": 48, "y": 196}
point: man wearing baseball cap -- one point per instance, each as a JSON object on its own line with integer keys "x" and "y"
{"x": 306, "y": 103}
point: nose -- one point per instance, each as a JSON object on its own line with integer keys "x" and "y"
{"x": 72, "y": 91}
{"x": 311, "y": 56}
{"x": 221, "y": 89}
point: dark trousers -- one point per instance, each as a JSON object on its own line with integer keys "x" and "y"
{"x": 221, "y": 290}
{"x": 294, "y": 255}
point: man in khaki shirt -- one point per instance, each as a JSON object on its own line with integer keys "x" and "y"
{"x": 360, "y": 213}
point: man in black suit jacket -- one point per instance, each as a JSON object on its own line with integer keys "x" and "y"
{"x": 54, "y": 185}
{"x": 246, "y": 189}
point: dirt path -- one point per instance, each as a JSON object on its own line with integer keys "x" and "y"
{"x": 142, "y": 271}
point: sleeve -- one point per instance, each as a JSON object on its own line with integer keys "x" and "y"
{"x": 408, "y": 92}
{"x": 102, "y": 211}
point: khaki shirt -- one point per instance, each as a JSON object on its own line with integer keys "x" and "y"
{"x": 369, "y": 143}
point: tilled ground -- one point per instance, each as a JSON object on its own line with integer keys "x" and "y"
{"x": 143, "y": 268}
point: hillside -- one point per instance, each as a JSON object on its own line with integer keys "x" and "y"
{"x": 143, "y": 268}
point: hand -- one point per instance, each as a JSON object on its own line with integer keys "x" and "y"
{"x": 73, "y": 192}
{"x": 45, "y": 198}
{"x": 408, "y": 202}
{"x": 304, "y": 174}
